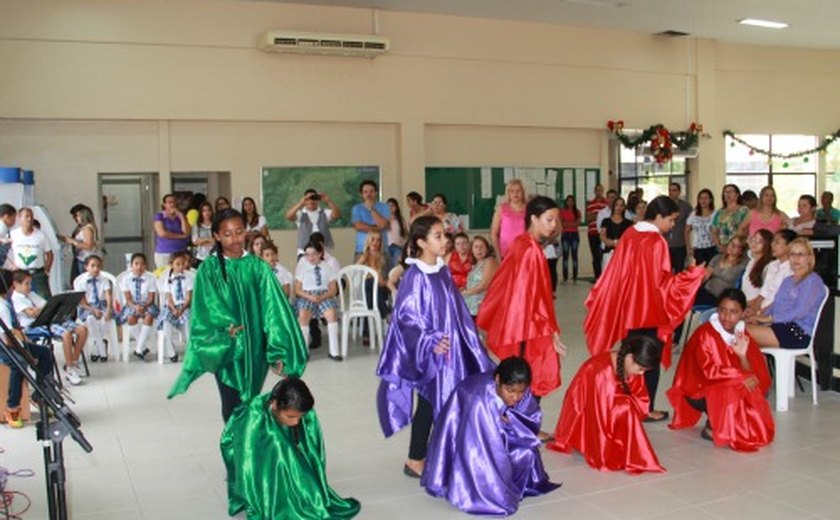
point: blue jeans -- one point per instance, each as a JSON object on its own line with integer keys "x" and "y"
{"x": 570, "y": 241}
{"x": 45, "y": 366}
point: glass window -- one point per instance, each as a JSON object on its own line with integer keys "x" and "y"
{"x": 638, "y": 169}
{"x": 832, "y": 170}
{"x": 791, "y": 177}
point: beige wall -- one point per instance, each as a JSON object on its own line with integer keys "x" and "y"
{"x": 147, "y": 85}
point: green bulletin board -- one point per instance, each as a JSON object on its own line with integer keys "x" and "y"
{"x": 284, "y": 186}
{"x": 473, "y": 191}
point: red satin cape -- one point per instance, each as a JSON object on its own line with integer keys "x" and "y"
{"x": 603, "y": 423}
{"x": 518, "y": 307}
{"x": 708, "y": 368}
{"x": 638, "y": 291}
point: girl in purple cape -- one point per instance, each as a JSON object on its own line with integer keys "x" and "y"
{"x": 484, "y": 453}
{"x": 432, "y": 343}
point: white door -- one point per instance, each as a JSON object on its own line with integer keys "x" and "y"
{"x": 127, "y": 212}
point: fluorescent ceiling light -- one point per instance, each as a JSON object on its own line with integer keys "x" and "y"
{"x": 598, "y": 3}
{"x": 763, "y": 23}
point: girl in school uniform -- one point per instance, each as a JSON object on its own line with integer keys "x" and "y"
{"x": 284, "y": 277}
{"x": 315, "y": 289}
{"x": 177, "y": 286}
{"x": 96, "y": 308}
{"x": 432, "y": 344}
{"x": 140, "y": 290}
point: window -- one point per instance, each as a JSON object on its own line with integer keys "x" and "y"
{"x": 790, "y": 177}
{"x": 638, "y": 169}
{"x": 832, "y": 170}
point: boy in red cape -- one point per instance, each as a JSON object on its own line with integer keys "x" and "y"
{"x": 722, "y": 372}
{"x": 518, "y": 311}
{"x": 638, "y": 294}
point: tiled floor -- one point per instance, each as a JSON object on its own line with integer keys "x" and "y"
{"x": 158, "y": 459}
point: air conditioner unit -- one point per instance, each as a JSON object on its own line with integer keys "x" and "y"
{"x": 319, "y": 43}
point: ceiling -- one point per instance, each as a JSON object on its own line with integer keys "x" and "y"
{"x": 813, "y": 23}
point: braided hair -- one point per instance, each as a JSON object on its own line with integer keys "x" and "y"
{"x": 218, "y": 218}
{"x": 645, "y": 353}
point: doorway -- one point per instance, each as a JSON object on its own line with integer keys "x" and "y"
{"x": 127, "y": 205}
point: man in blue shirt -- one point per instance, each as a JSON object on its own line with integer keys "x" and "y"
{"x": 369, "y": 216}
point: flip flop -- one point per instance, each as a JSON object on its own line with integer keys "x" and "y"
{"x": 661, "y": 418}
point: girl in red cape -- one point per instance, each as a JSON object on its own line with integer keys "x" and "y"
{"x": 722, "y": 372}
{"x": 604, "y": 407}
{"x": 518, "y": 310}
{"x": 638, "y": 295}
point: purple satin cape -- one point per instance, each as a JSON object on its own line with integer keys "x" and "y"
{"x": 428, "y": 307}
{"x": 480, "y": 462}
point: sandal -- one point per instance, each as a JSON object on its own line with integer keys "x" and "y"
{"x": 651, "y": 418}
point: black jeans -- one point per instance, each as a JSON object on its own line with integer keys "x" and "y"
{"x": 421, "y": 428}
{"x": 678, "y": 255}
{"x": 552, "y": 270}
{"x": 652, "y": 375}
{"x": 595, "y": 250}
{"x": 230, "y": 399}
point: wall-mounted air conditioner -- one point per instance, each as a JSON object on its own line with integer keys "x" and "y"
{"x": 319, "y": 43}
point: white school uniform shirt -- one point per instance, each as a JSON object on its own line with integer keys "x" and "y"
{"x": 775, "y": 273}
{"x": 102, "y": 286}
{"x": 170, "y": 285}
{"x": 28, "y": 251}
{"x": 261, "y": 223}
{"x": 283, "y": 275}
{"x": 6, "y": 312}
{"x": 21, "y": 302}
{"x": 147, "y": 285}
{"x": 329, "y": 259}
{"x": 305, "y": 272}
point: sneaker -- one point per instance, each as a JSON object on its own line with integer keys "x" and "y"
{"x": 79, "y": 370}
{"x": 12, "y": 418}
{"x": 72, "y": 376}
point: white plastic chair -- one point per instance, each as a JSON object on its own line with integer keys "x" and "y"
{"x": 111, "y": 333}
{"x": 785, "y": 360}
{"x": 351, "y": 279}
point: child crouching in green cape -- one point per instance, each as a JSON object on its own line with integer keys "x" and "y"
{"x": 275, "y": 459}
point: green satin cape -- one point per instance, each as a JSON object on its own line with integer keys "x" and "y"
{"x": 273, "y": 476}
{"x": 250, "y": 297}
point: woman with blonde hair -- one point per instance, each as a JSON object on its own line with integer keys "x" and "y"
{"x": 790, "y": 321}
{"x": 765, "y": 216}
{"x": 509, "y": 218}
{"x": 373, "y": 256}
{"x": 83, "y": 239}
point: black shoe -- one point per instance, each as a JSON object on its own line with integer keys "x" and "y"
{"x": 335, "y": 358}
{"x": 410, "y": 472}
{"x": 141, "y": 355}
{"x": 174, "y": 358}
{"x": 103, "y": 359}
{"x": 315, "y": 344}
{"x": 94, "y": 358}
{"x": 663, "y": 415}
{"x": 706, "y": 433}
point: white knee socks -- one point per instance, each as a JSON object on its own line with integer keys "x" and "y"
{"x": 145, "y": 332}
{"x": 332, "y": 332}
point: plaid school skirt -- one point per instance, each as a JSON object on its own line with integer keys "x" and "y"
{"x": 84, "y": 314}
{"x": 166, "y": 316}
{"x": 317, "y": 309}
{"x": 128, "y": 312}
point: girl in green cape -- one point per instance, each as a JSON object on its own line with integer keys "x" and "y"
{"x": 275, "y": 458}
{"x": 241, "y": 322}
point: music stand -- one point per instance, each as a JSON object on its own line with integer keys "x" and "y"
{"x": 58, "y": 309}
{"x": 50, "y": 432}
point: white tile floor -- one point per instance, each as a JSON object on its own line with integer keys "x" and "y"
{"x": 158, "y": 459}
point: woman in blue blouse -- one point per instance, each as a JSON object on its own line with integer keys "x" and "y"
{"x": 791, "y": 319}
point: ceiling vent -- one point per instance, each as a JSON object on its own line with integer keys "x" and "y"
{"x": 320, "y": 43}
